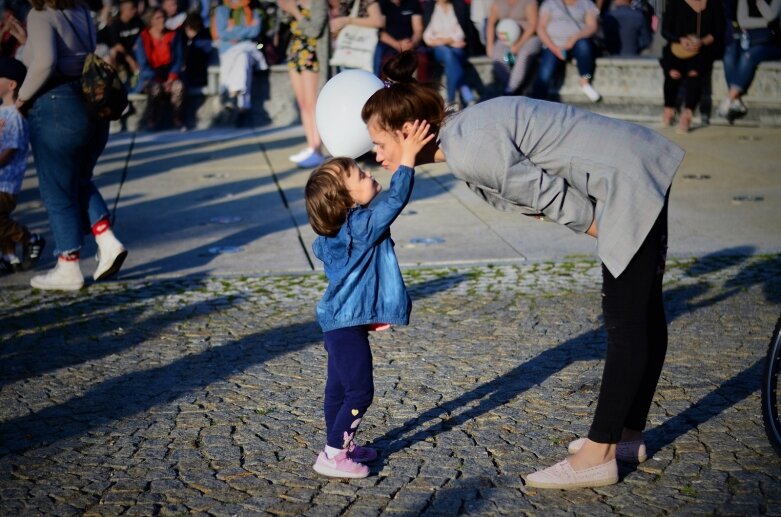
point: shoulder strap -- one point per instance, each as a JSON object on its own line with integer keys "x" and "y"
{"x": 566, "y": 10}
{"x": 355, "y": 9}
{"x": 87, "y": 47}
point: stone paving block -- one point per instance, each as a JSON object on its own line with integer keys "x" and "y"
{"x": 462, "y": 428}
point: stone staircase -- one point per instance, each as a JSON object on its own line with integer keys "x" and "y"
{"x": 631, "y": 89}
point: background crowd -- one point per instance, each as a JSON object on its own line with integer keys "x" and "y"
{"x": 163, "y": 47}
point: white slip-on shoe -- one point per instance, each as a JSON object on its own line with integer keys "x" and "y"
{"x": 111, "y": 255}
{"x": 564, "y": 477}
{"x": 629, "y": 452}
{"x": 590, "y": 92}
{"x": 65, "y": 276}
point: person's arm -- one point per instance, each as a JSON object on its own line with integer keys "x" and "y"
{"x": 767, "y": 11}
{"x": 413, "y": 139}
{"x": 529, "y": 185}
{"x": 6, "y": 155}
{"x": 239, "y": 32}
{"x": 145, "y": 71}
{"x": 41, "y": 50}
{"x": 532, "y": 13}
{"x": 490, "y": 30}
{"x": 417, "y": 30}
{"x": 542, "y": 32}
{"x": 177, "y": 56}
{"x": 590, "y": 26}
{"x": 669, "y": 29}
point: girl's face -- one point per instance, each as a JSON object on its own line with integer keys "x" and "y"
{"x": 387, "y": 146}
{"x": 362, "y": 187}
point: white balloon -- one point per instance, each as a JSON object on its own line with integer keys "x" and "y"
{"x": 508, "y": 30}
{"x": 338, "y": 112}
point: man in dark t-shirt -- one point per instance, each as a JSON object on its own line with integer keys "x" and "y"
{"x": 122, "y": 35}
{"x": 403, "y": 31}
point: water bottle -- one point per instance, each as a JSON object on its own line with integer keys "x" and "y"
{"x": 509, "y": 58}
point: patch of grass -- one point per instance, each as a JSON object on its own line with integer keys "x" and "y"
{"x": 689, "y": 491}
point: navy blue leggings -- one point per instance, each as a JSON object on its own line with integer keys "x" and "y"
{"x": 349, "y": 389}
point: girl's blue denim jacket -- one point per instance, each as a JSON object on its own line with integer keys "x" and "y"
{"x": 364, "y": 280}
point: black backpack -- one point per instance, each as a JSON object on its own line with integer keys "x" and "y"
{"x": 104, "y": 93}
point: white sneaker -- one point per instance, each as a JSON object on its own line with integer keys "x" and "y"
{"x": 303, "y": 154}
{"x": 737, "y": 106}
{"x": 111, "y": 255}
{"x": 313, "y": 160}
{"x": 65, "y": 276}
{"x": 723, "y": 110}
{"x": 590, "y": 92}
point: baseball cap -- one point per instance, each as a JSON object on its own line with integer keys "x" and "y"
{"x": 12, "y": 69}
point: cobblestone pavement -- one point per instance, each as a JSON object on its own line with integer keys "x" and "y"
{"x": 203, "y": 395}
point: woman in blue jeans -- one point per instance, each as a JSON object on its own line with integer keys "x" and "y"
{"x": 565, "y": 28}
{"x": 756, "y": 39}
{"x": 446, "y": 37}
{"x": 66, "y": 141}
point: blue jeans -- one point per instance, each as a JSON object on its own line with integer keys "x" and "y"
{"x": 741, "y": 65}
{"x": 452, "y": 60}
{"x": 66, "y": 144}
{"x": 550, "y": 65}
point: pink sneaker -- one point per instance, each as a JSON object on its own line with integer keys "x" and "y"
{"x": 361, "y": 454}
{"x": 340, "y": 466}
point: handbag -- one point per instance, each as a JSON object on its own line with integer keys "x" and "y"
{"x": 355, "y": 45}
{"x": 104, "y": 93}
{"x": 682, "y": 52}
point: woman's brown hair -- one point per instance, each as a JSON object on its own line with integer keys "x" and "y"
{"x": 327, "y": 198}
{"x": 404, "y": 99}
{"x": 40, "y": 5}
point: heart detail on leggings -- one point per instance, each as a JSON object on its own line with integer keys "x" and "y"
{"x": 355, "y": 412}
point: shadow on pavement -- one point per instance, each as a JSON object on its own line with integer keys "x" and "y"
{"x": 590, "y": 346}
{"x": 141, "y": 390}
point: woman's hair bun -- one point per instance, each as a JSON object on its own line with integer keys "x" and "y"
{"x": 401, "y": 67}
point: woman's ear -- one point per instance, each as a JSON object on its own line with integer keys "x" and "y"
{"x": 406, "y": 129}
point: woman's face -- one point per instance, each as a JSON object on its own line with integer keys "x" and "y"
{"x": 387, "y": 146}
{"x": 157, "y": 21}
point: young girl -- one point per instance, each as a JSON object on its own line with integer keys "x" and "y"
{"x": 365, "y": 288}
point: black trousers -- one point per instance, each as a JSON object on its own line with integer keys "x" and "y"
{"x": 636, "y": 338}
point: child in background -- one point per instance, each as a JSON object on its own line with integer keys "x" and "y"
{"x": 198, "y": 50}
{"x": 365, "y": 289}
{"x": 14, "y": 148}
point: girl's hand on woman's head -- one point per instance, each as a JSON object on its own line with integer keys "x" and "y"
{"x": 412, "y": 138}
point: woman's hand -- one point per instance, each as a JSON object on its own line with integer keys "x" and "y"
{"x": 592, "y": 230}
{"x": 338, "y": 23}
{"x": 16, "y": 29}
{"x": 416, "y": 137}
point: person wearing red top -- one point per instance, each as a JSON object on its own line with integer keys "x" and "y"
{"x": 159, "y": 55}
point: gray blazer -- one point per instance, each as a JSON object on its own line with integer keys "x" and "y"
{"x": 570, "y": 165}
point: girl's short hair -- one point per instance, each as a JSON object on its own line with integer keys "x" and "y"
{"x": 404, "y": 99}
{"x": 327, "y": 197}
